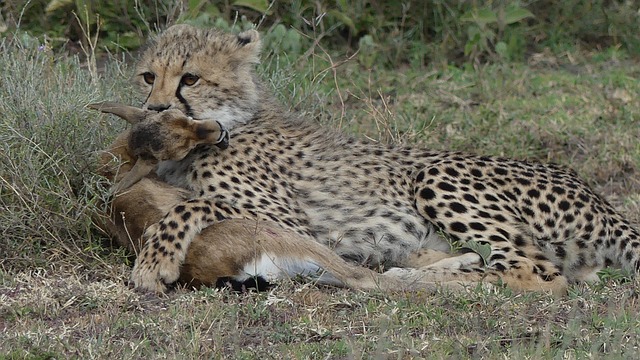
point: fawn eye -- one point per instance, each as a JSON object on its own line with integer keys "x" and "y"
{"x": 149, "y": 77}
{"x": 189, "y": 79}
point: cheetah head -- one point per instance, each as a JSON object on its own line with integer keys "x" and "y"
{"x": 205, "y": 73}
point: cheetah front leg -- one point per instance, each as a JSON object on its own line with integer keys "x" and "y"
{"x": 456, "y": 206}
{"x": 167, "y": 241}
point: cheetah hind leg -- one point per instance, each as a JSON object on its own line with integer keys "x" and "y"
{"x": 514, "y": 269}
{"x": 430, "y": 266}
{"x": 514, "y": 258}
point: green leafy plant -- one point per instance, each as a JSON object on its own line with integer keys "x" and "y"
{"x": 613, "y": 274}
{"x": 483, "y": 250}
{"x": 487, "y": 28}
{"x": 385, "y": 33}
{"x": 281, "y": 40}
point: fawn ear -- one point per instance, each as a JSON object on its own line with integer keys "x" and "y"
{"x": 131, "y": 114}
{"x": 211, "y": 132}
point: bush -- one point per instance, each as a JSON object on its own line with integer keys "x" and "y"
{"x": 386, "y": 32}
{"x": 47, "y": 153}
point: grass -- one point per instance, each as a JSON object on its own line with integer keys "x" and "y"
{"x": 63, "y": 293}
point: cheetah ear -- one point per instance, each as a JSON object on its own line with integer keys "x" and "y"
{"x": 250, "y": 45}
{"x": 131, "y": 114}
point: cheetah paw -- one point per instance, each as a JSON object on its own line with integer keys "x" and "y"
{"x": 154, "y": 269}
{"x": 154, "y": 276}
{"x": 401, "y": 273}
{"x": 457, "y": 262}
{"x": 147, "y": 278}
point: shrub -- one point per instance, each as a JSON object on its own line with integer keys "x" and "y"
{"x": 386, "y": 32}
{"x": 47, "y": 150}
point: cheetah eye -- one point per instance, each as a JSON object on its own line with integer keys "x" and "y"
{"x": 189, "y": 79}
{"x": 149, "y": 77}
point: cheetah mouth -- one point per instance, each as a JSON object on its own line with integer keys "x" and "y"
{"x": 223, "y": 140}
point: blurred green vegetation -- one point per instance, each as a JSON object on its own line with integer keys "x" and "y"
{"x": 389, "y": 33}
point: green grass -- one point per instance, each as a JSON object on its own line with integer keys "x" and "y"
{"x": 63, "y": 293}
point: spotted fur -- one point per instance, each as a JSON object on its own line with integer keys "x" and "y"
{"x": 373, "y": 204}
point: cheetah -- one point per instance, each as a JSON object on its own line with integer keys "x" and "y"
{"x": 377, "y": 205}
{"x": 154, "y": 137}
{"x": 235, "y": 252}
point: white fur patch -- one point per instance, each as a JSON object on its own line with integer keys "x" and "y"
{"x": 457, "y": 262}
{"x": 227, "y": 116}
{"x": 272, "y": 267}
